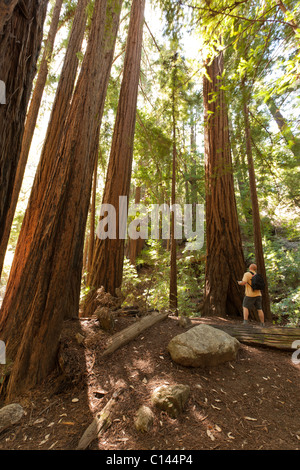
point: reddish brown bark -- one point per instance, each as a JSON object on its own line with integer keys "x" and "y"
{"x": 45, "y": 277}
{"x": 173, "y": 301}
{"x": 259, "y": 254}
{"x": 107, "y": 267}
{"x": 20, "y": 44}
{"x": 30, "y": 124}
{"x": 6, "y": 11}
{"x": 54, "y": 133}
{"x": 91, "y": 242}
{"x": 135, "y": 246}
{"x": 224, "y": 258}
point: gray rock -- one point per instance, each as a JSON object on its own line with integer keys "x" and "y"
{"x": 9, "y": 415}
{"x": 171, "y": 398}
{"x": 144, "y": 419}
{"x": 105, "y": 317}
{"x": 184, "y": 322}
{"x": 203, "y": 346}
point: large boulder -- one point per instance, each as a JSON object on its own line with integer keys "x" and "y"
{"x": 203, "y": 346}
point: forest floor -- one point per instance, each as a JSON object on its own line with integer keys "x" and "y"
{"x": 249, "y": 404}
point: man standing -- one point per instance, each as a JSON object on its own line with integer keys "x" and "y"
{"x": 253, "y": 298}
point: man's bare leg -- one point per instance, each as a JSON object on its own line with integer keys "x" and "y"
{"x": 245, "y": 314}
{"x": 261, "y": 316}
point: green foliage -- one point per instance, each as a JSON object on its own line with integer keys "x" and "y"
{"x": 149, "y": 286}
{"x": 288, "y": 310}
{"x": 149, "y": 289}
{"x": 282, "y": 259}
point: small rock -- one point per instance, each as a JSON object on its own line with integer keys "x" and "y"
{"x": 105, "y": 318}
{"x": 80, "y": 338}
{"x": 10, "y": 415}
{"x": 171, "y": 398}
{"x": 184, "y": 322}
{"x": 144, "y": 419}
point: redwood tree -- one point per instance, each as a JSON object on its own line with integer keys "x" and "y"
{"x": 135, "y": 245}
{"x": 107, "y": 266}
{"x": 20, "y": 43}
{"x": 173, "y": 300}
{"x": 54, "y": 134}
{"x": 6, "y": 11}
{"x": 45, "y": 276}
{"x": 259, "y": 254}
{"x": 30, "y": 124}
{"x": 224, "y": 256}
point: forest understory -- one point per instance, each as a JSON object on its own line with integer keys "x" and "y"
{"x": 249, "y": 404}
{"x": 149, "y": 151}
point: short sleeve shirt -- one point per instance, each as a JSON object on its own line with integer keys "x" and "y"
{"x": 249, "y": 292}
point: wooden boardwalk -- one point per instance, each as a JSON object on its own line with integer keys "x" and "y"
{"x": 275, "y": 337}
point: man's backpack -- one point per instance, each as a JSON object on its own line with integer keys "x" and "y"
{"x": 257, "y": 281}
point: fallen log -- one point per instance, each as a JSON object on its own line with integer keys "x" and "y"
{"x": 100, "y": 423}
{"x": 274, "y": 337}
{"x": 125, "y": 336}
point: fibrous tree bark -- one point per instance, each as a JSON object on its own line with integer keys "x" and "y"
{"x": 224, "y": 256}
{"x": 173, "y": 301}
{"x": 6, "y": 11}
{"x": 259, "y": 254}
{"x": 107, "y": 266}
{"x": 20, "y": 43}
{"x": 30, "y": 124}
{"x": 91, "y": 241}
{"x": 54, "y": 133}
{"x": 45, "y": 276}
{"x": 136, "y": 245}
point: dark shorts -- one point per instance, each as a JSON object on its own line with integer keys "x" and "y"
{"x": 250, "y": 302}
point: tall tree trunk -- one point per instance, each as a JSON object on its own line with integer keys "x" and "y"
{"x": 240, "y": 173}
{"x": 107, "y": 266}
{"x": 259, "y": 254}
{"x": 135, "y": 246}
{"x": 55, "y": 129}
{"x": 91, "y": 242}
{"x": 173, "y": 300}
{"x": 41, "y": 285}
{"x": 224, "y": 257}
{"x": 6, "y": 11}
{"x": 30, "y": 124}
{"x": 54, "y": 133}
{"x": 20, "y": 44}
{"x": 292, "y": 141}
{"x": 193, "y": 176}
